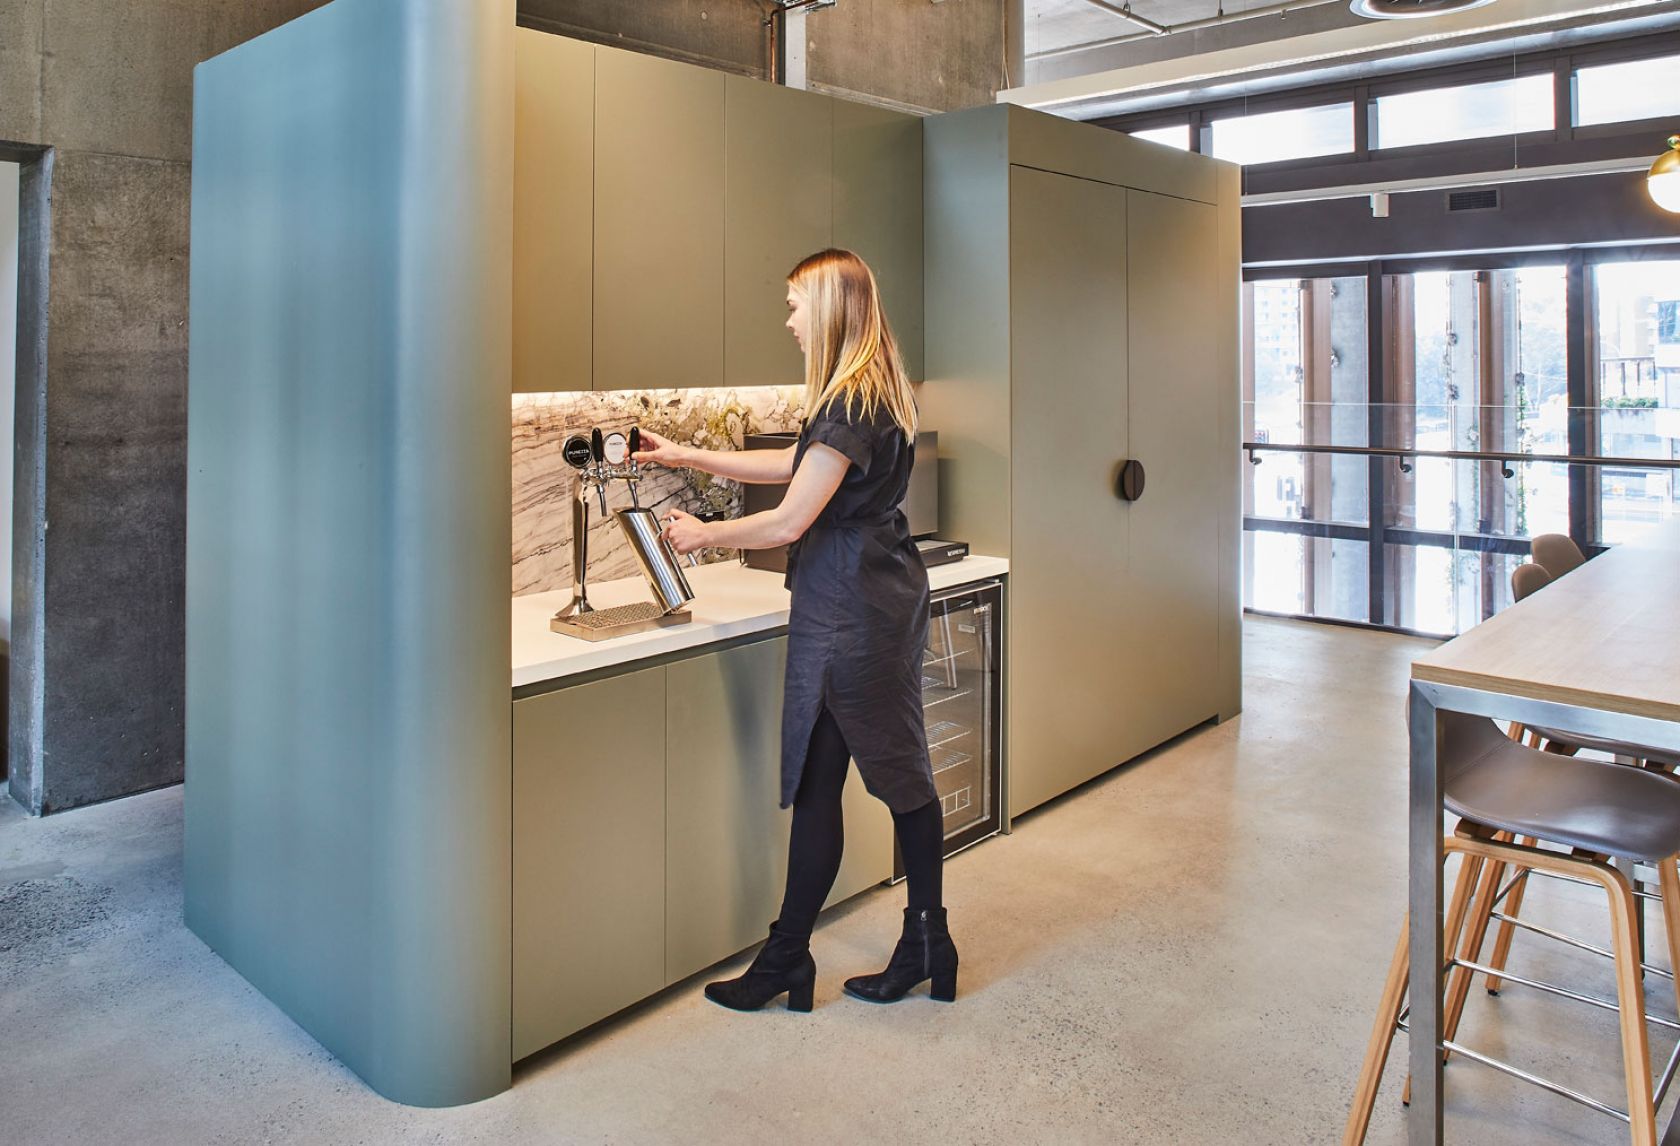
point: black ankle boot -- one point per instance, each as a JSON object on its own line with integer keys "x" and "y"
{"x": 924, "y": 952}
{"x": 784, "y": 963}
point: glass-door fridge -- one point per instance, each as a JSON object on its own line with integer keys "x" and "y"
{"x": 962, "y": 694}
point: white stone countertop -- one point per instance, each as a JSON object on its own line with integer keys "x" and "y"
{"x": 730, "y": 600}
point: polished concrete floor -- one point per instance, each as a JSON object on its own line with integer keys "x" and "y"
{"x": 1187, "y": 950}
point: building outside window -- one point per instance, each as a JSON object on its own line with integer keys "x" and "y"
{"x": 1473, "y": 361}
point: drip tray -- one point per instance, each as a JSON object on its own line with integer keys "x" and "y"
{"x": 619, "y": 621}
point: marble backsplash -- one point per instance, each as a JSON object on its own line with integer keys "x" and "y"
{"x": 544, "y": 485}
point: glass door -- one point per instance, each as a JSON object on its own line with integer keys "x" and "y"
{"x": 960, "y": 703}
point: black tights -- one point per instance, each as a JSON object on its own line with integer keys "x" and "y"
{"x": 819, "y": 835}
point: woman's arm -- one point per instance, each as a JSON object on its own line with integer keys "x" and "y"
{"x": 756, "y": 467}
{"x": 819, "y": 476}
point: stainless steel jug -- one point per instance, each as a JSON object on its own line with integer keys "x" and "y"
{"x": 653, "y": 553}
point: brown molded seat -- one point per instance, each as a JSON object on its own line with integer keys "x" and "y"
{"x": 1529, "y": 579}
{"x": 1601, "y": 807}
{"x": 1557, "y": 553}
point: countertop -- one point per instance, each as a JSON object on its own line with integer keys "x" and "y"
{"x": 730, "y": 600}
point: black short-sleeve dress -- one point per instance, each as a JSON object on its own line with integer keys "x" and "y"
{"x": 858, "y": 625}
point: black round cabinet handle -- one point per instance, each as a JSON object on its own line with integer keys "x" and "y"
{"x": 1128, "y": 483}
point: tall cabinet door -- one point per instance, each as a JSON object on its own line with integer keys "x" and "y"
{"x": 778, "y": 164}
{"x": 553, "y": 211}
{"x": 878, "y": 211}
{"x": 1070, "y": 545}
{"x": 588, "y": 854}
{"x": 658, "y": 223}
{"x": 1172, "y": 606}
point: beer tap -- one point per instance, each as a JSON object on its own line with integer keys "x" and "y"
{"x": 600, "y": 459}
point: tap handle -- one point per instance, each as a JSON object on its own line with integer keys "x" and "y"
{"x": 597, "y": 445}
{"x": 635, "y": 443}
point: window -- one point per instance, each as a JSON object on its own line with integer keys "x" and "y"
{"x": 1470, "y": 111}
{"x": 1178, "y": 135}
{"x": 1305, "y": 381}
{"x": 1475, "y": 361}
{"x": 1270, "y": 137}
{"x": 1638, "y": 388}
{"x": 1635, "y": 89}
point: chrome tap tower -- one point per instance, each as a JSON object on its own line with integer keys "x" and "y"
{"x": 601, "y": 459}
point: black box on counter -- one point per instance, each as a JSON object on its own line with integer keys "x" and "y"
{"x": 921, "y": 502}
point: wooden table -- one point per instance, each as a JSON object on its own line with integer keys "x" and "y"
{"x": 1597, "y": 652}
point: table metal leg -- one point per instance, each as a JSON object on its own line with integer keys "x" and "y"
{"x": 1424, "y": 906}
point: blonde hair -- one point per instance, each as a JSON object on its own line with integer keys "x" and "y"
{"x": 850, "y": 352}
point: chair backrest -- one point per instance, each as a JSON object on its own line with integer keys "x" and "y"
{"x": 1528, "y": 579}
{"x": 1558, "y": 553}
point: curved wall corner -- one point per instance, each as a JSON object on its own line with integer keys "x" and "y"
{"x": 348, "y": 794}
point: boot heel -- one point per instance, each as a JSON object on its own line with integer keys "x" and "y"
{"x": 944, "y": 987}
{"x": 800, "y": 997}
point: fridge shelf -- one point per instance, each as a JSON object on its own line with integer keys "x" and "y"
{"x": 943, "y": 732}
{"x": 929, "y": 662}
{"x": 934, "y": 692}
{"x": 945, "y": 759}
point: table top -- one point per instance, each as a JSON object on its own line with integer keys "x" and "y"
{"x": 1605, "y": 636}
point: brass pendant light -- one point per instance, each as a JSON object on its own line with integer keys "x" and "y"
{"x": 1664, "y": 180}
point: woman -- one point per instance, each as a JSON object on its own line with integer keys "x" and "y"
{"x": 856, "y": 632}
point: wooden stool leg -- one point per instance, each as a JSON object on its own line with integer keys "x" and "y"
{"x": 1668, "y": 879}
{"x": 1513, "y": 908}
{"x": 1636, "y": 1051}
{"x": 1376, "y": 1051}
{"x": 1475, "y": 935}
{"x": 1470, "y": 867}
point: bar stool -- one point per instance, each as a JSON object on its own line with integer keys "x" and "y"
{"x": 1501, "y": 789}
{"x": 1527, "y": 580}
{"x": 1557, "y": 553}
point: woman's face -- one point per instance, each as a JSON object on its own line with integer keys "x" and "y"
{"x": 799, "y": 315}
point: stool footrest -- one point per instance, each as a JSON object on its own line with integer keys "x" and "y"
{"x": 1581, "y": 944}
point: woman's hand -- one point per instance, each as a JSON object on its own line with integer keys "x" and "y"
{"x": 661, "y": 450}
{"x": 684, "y": 531}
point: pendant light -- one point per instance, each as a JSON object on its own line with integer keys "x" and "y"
{"x": 1664, "y": 180}
{"x": 1411, "y": 9}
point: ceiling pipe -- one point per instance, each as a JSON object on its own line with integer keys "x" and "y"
{"x": 1125, "y": 13}
{"x": 1187, "y": 26}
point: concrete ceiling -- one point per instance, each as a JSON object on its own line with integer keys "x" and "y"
{"x": 1057, "y": 25}
{"x": 1085, "y": 62}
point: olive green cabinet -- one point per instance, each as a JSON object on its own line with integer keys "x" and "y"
{"x": 648, "y": 840}
{"x": 588, "y": 854}
{"x": 778, "y": 168}
{"x": 1081, "y": 313}
{"x": 878, "y": 210}
{"x": 658, "y": 207}
{"x": 726, "y": 835}
{"x": 1067, "y": 252}
{"x": 659, "y": 196}
{"x": 1177, "y": 376}
{"x": 553, "y": 212}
